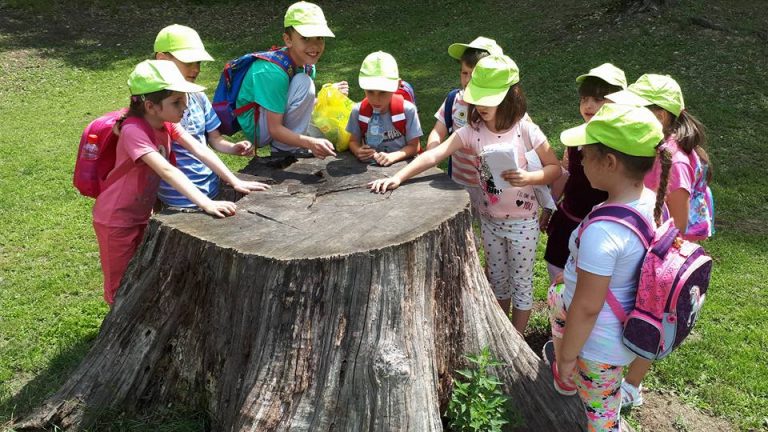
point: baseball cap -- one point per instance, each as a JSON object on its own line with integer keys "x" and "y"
{"x": 652, "y": 89}
{"x": 308, "y": 19}
{"x": 154, "y": 75}
{"x": 632, "y": 130}
{"x": 608, "y": 73}
{"x": 456, "y": 50}
{"x": 183, "y": 43}
{"x": 379, "y": 72}
{"x": 491, "y": 80}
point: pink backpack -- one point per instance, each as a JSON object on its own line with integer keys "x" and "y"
{"x": 673, "y": 281}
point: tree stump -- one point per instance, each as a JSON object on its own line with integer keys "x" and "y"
{"x": 318, "y": 307}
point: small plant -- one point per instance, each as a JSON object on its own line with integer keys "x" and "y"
{"x": 477, "y": 402}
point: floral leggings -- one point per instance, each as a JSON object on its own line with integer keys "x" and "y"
{"x": 599, "y": 384}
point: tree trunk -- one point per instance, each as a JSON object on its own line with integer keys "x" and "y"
{"x": 318, "y": 307}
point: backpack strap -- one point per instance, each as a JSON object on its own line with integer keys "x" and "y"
{"x": 630, "y": 218}
{"x": 397, "y": 112}
{"x": 126, "y": 166}
{"x": 448, "y": 109}
{"x": 364, "y": 117}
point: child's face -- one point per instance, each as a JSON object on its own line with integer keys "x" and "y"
{"x": 379, "y": 99}
{"x": 466, "y": 74}
{"x": 487, "y": 114}
{"x": 190, "y": 71}
{"x": 594, "y": 164}
{"x": 589, "y": 105}
{"x": 171, "y": 109}
{"x": 304, "y": 50}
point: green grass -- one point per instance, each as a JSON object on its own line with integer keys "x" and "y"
{"x": 64, "y": 63}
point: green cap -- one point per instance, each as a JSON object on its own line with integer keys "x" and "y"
{"x": 652, "y": 89}
{"x": 150, "y": 76}
{"x": 307, "y": 19}
{"x": 632, "y": 130}
{"x": 379, "y": 72}
{"x": 491, "y": 80}
{"x": 482, "y": 43}
{"x": 183, "y": 43}
{"x": 608, "y": 73}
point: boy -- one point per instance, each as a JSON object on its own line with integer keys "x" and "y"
{"x": 285, "y": 102}
{"x": 382, "y": 143}
{"x": 182, "y": 46}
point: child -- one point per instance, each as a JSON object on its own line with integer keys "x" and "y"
{"x": 619, "y": 147}
{"x": 285, "y": 104}
{"x": 383, "y": 143}
{"x": 122, "y": 210}
{"x": 688, "y": 198}
{"x": 182, "y": 46}
{"x": 508, "y": 216}
{"x": 578, "y": 196}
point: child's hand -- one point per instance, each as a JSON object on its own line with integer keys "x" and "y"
{"x": 244, "y": 148}
{"x": 219, "y": 208}
{"x": 546, "y": 215}
{"x": 382, "y": 185}
{"x": 365, "y": 153}
{"x": 247, "y": 187}
{"x": 320, "y": 147}
{"x": 384, "y": 159}
{"x": 517, "y": 178}
{"x": 343, "y": 87}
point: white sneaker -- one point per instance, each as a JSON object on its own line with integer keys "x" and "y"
{"x": 631, "y": 396}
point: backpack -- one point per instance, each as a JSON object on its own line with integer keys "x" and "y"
{"x": 448, "y": 120}
{"x": 701, "y": 215}
{"x": 230, "y": 81}
{"x": 396, "y": 109}
{"x": 673, "y": 280}
{"x": 94, "y": 175}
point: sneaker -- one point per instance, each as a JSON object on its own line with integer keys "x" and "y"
{"x": 631, "y": 396}
{"x": 548, "y": 355}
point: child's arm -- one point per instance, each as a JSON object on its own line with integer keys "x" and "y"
{"x": 410, "y": 150}
{"x": 679, "y": 204}
{"x": 362, "y": 152}
{"x": 428, "y": 159}
{"x": 438, "y": 134}
{"x": 546, "y": 175}
{"x": 181, "y": 183}
{"x": 209, "y": 158}
{"x": 320, "y": 147}
{"x": 240, "y": 148}
{"x": 588, "y": 300}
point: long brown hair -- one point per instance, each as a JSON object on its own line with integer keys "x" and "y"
{"x": 511, "y": 109}
{"x": 690, "y": 135}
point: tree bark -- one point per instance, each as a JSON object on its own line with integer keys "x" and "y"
{"x": 318, "y": 307}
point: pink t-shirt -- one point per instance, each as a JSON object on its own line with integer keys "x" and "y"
{"x": 681, "y": 173}
{"x": 511, "y": 202}
{"x": 129, "y": 200}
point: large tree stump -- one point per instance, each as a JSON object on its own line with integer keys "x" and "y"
{"x": 318, "y": 307}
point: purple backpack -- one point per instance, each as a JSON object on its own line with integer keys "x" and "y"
{"x": 673, "y": 281}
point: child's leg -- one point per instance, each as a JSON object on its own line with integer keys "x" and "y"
{"x": 522, "y": 238}
{"x": 557, "y": 315}
{"x": 599, "y": 386}
{"x": 117, "y": 245}
{"x": 496, "y": 260}
{"x": 298, "y": 110}
{"x": 637, "y": 371}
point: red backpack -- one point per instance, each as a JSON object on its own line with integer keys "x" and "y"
{"x": 397, "y": 112}
{"x": 95, "y": 166}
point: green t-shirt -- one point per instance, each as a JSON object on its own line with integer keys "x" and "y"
{"x": 266, "y": 84}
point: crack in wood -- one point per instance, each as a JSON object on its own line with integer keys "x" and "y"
{"x": 254, "y": 212}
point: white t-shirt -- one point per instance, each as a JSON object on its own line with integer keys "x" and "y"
{"x": 609, "y": 249}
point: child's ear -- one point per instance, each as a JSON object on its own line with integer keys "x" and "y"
{"x": 287, "y": 39}
{"x": 611, "y": 161}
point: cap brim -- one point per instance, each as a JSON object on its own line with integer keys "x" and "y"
{"x": 456, "y": 50}
{"x": 576, "y": 136}
{"x": 379, "y": 83}
{"x": 484, "y": 96}
{"x": 192, "y": 55}
{"x": 186, "y": 87}
{"x": 314, "y": 30}
{"x": 626, "y": 97}
{"x": 609, "y": 80}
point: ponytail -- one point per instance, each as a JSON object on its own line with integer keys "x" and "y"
{"x": 665, "y": 157}
{"x": 690, "y": 136}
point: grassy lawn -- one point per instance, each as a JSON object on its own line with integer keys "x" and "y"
{"x": 64, "y": 63}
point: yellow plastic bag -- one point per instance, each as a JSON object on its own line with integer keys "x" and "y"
{"x": 331, "y": 114}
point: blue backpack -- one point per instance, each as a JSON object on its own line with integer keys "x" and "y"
{"x": 448, "y": 119}
{"x": 225, "y": 97}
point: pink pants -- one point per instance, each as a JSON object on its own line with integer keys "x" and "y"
{"x": 116, "y": 248}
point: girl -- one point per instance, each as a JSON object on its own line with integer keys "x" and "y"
{"x": 122, "y": 210}
{"x": 619, "y": 148}
{"x": 688, "y": 198}
{"x": 508, "y": 211}
{"x": 578, "y": 196}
